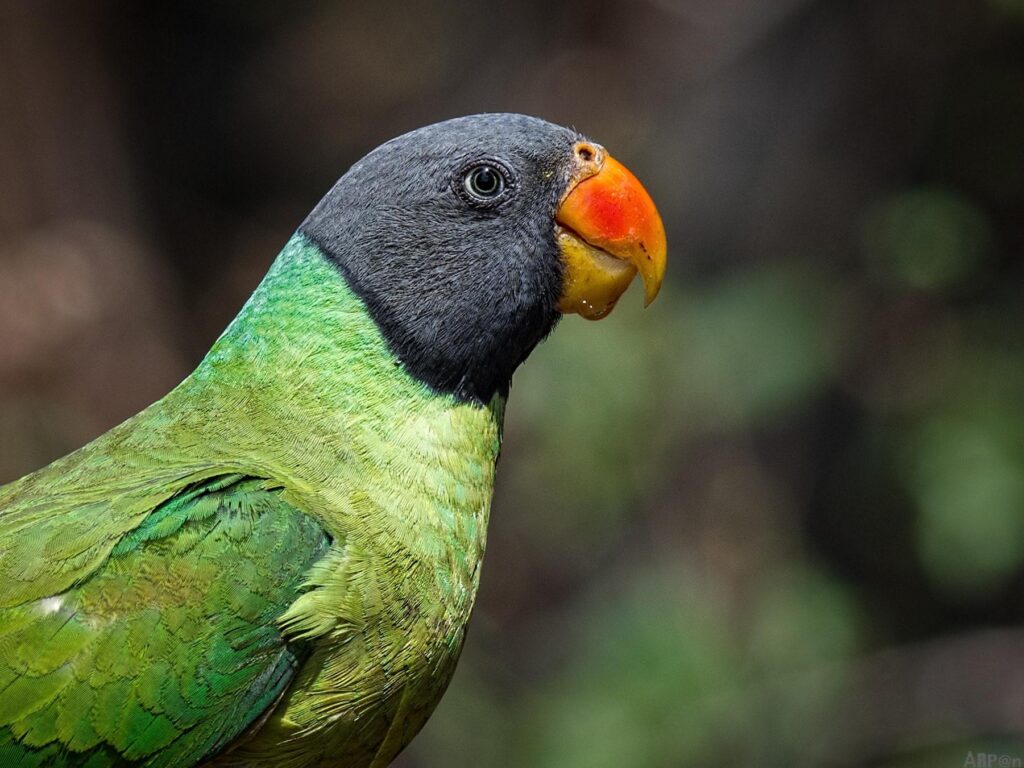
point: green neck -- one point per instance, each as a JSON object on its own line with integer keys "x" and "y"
{"x": 305, "y": 334}
{"x": 316, "y": 397}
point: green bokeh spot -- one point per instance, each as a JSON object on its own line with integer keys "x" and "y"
{"x": 930, "y": 239}
{"x": 756, "y": 346}
{"x": 967, "y": 478}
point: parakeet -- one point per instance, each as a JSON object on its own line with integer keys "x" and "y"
{"x": 275, "y": 564}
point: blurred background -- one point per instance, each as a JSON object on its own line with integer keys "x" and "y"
{"x": 775, "y": 520}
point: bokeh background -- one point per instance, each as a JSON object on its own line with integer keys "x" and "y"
{"x": 775, "y": 520}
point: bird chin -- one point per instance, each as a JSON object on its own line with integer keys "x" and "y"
{"x": 594, "y": 278}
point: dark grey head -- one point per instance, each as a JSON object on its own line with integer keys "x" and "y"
{"x": 447, "y": 234}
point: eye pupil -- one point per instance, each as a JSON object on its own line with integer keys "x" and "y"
{"x": 485, "y": 182}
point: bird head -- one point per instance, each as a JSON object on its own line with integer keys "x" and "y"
{"x": 468, "y": 240}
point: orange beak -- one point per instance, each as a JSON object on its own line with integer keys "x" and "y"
{"x": 608, "y": 230}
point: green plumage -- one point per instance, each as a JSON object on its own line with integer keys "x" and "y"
{"x": 273, "y": 565}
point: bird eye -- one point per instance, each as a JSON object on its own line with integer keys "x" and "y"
{"x": 484, "y": 183}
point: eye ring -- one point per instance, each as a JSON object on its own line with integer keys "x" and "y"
{"x": 484, "y": 183}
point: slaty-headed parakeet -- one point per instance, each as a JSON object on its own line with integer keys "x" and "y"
{"x": 275, "y": 564}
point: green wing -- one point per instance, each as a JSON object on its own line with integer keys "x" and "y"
{"x": 164, "y": 647}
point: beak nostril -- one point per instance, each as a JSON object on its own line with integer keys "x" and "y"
{"x": 586, "y": 152}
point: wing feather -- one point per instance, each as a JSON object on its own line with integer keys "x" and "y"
{"x": 161, "y": 644}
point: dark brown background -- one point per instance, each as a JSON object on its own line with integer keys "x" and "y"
{"x": 775, "y": 520}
